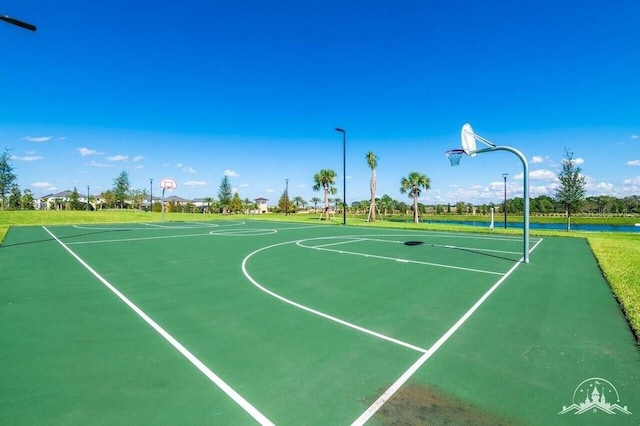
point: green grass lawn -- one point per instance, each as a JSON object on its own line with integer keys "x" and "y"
{"x": 618, "y": 254}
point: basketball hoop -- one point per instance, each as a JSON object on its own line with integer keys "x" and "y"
{"x": 168, "y": 183}
{"x": 454, "y": 156}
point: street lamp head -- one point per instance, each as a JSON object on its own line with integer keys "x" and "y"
{"x": 504, "y": 175}
{"x": 338, "y": 129}
{"x": 17, "y": 22}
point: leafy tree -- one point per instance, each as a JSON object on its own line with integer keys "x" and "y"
{"x": 74, "y": 199}
{"x": 121, "y": 188}
{"x": 109, "y": 198}
{"x": 7, "y": 177}
{"x": 235, "y": 206}
{"x": 138, "y": 196}
{"x": 26, "y": 202}
{"x": 325, "y": 179}
{"x": 14, "y": 198}
{"x": 570, "y": 193}
{"x": 387, "y": 203}
{"x": 413, "y": 184}
{"x": 372, "y": 162}
{"x": 284, "y": 204}
{"x": 224, "y": 194}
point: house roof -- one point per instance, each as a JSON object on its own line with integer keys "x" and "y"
{"x": 176, "y": 199}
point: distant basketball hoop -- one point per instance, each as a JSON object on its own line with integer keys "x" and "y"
{"x": 169, "y": 184}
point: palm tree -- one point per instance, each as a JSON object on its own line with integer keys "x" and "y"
{"x": 315, "y": 201}
{"x": 299, "y": 201}
{"x": 372, "y": 162}
{"x": 325, "y": 179}
{"x": 413, "y": 184}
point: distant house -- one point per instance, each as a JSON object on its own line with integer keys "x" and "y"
{"x": 262, "y": 205}
{"x": 57, "y": 201}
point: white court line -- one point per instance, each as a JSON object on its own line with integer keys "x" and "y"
{"x": 449, "y": 246}
{"x": 315, "y": 312}
{"x": 395, "y": 259}
{"x": 120, "y": 240}
{"x": 209, "y": 233}
{"x": 235, "y": 396}
{"x": 364, "y": 417}
{"x": 351, "y": 240}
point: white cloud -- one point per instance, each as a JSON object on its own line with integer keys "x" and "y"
{"x": 231, "y": 173}
{"x": 635, "y": 136}
{"x": 86, "y": 151}
{"x": 632, "y": 181}
{"x": 188, "y": 170}
{"x": 27, "y": 158}
{"x": 41, "y": 184}
{"x": 192, "y": 183}
{"x": 138, "y": 158}
{"x": 537, "y": 159}
{"x": 633, "y": 163}
{"x": 93, "y": 163}
{"x": 118, "y": 158}
{"x": 37, "y": 138}
{"x": 542, "y": 174}
{"x": 138, "y": 167}
{"x": 244, "y": 185}
{"x": 604, "y": 187}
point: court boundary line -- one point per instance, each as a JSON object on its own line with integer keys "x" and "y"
{"x": 377, "y": 404}
{"x": 217, "y": 380}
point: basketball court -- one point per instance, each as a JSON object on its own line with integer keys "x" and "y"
{"x": 229, "y": 322}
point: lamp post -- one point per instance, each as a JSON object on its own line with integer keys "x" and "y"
{"x": 344, "y": 174}
{"x": 17, "y": 22}
{"x": 286, "y": 199}
{"x": 151, "y": 195}
{"x": 87, "y": 197}
{"x": 504, "y": 175}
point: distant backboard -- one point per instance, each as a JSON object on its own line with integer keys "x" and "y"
{"x": 168, "y": 183}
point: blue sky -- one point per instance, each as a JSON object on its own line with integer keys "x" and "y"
{"x": 194, "y": 90}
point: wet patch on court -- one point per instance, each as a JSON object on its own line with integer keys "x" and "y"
{"x": 415, "y": 405}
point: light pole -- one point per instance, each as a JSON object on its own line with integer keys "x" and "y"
{"x": 151, "y": 195}
{"x": 286, "y": 199}
{"x": 504, "y": 175}
{"x": 87, "y": 197}
{"x": 17, "y": 22}
{"x": 344, "y": 174}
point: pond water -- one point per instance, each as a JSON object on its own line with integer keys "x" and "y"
{"x": 547, "y": 226}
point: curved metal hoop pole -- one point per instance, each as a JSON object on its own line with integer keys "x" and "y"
{"x": 525, "y": 166}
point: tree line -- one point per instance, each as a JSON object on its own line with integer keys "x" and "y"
{"x": 569, "y": 198}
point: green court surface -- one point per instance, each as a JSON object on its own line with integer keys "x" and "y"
{"x": 233, "y": 323}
